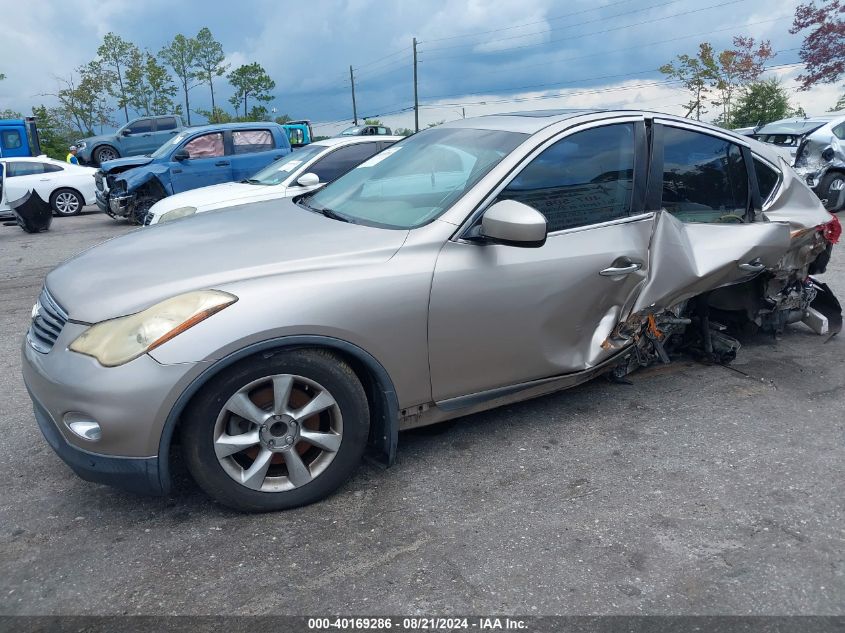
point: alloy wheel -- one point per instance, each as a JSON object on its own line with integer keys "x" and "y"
{"x": 67, "y": 203}
{"x": 105, "y": 154}
{"x": 278, "y": 433}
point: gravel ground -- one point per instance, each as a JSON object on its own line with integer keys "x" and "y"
{"x": 698, "y": 490}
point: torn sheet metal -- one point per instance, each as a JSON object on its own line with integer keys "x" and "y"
{"x": 686, "y": 260}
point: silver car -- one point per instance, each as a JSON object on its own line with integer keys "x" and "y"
{"x": 472, "y": 265}
{"x": 817, "y": 148}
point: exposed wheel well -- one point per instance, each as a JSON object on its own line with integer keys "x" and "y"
{"x": 381, "y": 395}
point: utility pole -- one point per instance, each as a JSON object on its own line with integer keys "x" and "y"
{"x": 354, "y": 109}
{"x": 416, "y": 98}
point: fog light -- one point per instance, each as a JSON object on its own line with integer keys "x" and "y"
{"x": 83, "y": 426}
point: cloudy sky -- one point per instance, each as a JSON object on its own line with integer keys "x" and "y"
{"x": 475, "y": 56}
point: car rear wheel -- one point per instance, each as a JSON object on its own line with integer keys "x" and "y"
{"x": 830, "y": 189}
{"x": 102, "y": 154}
{"x": 276, "y": 433}
{"x": 66, "y": 202}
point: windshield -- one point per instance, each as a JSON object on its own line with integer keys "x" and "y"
{"x": 277, "y": 171}
{"x": 351, "y": 131}
{"x": 164, "y": 150}
{"x": 413, "y": 182}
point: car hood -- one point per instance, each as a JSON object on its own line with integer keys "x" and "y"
{"x": 92, "y": 140}
{"x": 217, "y": 196}
{"x": 134, "y": 271}
{"x": 121, "y": 164}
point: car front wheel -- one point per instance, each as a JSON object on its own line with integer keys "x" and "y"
{"x": 830, "y": 188}
{"x": 276, "y": 433}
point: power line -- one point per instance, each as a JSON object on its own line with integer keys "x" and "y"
{"x": 519, "y": 26}
{"x": 618, "y": 28}
{"x": 561, "y": 28}
{"x": 626, "y": 48}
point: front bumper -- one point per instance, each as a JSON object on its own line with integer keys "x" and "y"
{"x": 135, "y": 474}
{"x": 115, "y": 205}
{"x": 131, "y": 404}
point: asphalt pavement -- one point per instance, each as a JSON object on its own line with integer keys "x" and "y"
{"x": 696, "y": 490}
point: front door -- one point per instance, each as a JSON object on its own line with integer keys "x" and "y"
{"x": 206, "y": 163}
{"x": 138, "y": 139}
{"x": 503, "y": 315}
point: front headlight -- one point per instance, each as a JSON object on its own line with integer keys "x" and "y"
{"x": 117, "y": 341}
{"x": 81, "y": 144}
{"x": 175, "y": 214}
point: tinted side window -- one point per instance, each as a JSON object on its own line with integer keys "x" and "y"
{"x": 50, "y": 168}
{"x": 839, "y": 131}
{"x": 24, "y": 169}
{"x": 704, "y": 178}
{"x": 143, "y": 126}
{"x": 249, "y": 141}
{"x": 582, "y": 179}
{"x": 767, "y": 179}
{"x": 342, "y": 160}
{"x": 11, "y": 139}
{"x": 165, "y": 123}
{"x": 205, "y": 146}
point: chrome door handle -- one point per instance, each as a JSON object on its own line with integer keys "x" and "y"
{"x": 614, "y": 271}
{"x": 221, "y": 163}
{"x": 754, "y": 266}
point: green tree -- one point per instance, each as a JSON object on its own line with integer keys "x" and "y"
{"x": 218, "y": 115}
{"x": 209, "y": 64}
{"x": 283, "y": 118}
{"x": 372, "y": 122}
{"x": 250, "y": 81}
{"x": 82, "y": 98}
{"x": 403, "y": 131}
{"x": 149, "y": 86}
{"x": 735, "y": 69}
{"x": 761, "y": 102}
{"x": 695, "y": 73}
{"x": 8, "y": 113}
{"x": 181, "y": 56}
{"x": 54, "y": 131}
{"x": 116, "y": 54}
{"x": 258, "y": 113}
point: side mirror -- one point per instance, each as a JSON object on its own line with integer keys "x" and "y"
{"x": 181, "y": 155}
{"x": 125, "y": 132}
{"x": 308, "y": 180}
{"x": 514, "y": 224}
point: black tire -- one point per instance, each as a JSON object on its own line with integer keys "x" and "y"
{"x": 831, "y": 196}
{"x": 100, "y": 154}
{"x": 201, "y": 416}
{"x": 62, "y": 202}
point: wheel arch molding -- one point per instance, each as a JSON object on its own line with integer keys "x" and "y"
{"x": 381, "y": 394}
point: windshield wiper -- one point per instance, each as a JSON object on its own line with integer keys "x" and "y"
{"x": 334, "y": 215}
{"x": 253, "y": 181}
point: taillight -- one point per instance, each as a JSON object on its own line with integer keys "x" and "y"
{"x": 831, "y": 230}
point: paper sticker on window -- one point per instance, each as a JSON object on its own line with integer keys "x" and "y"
{"x": 290, "y": 166}
{"x": 375, "y": 160}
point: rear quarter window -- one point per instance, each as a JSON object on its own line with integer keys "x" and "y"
{"x": 768, "y": 179}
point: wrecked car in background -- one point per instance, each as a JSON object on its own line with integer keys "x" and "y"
{"x": 475, "y": 264}
{"x": 196, "y": 157}
{"x": 815, "y": 145}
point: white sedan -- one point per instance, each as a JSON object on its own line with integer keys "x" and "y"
{"x": 299, "y": 172}
{"x": 66, "y": 187}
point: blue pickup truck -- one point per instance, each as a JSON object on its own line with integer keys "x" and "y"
{"x": 196, "y": 157}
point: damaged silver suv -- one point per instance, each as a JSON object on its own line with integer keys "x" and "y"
{"x": 475, "y": 264}
{"x": 817, "y": 148}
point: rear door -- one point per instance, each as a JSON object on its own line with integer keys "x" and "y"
{"x": 165, "y": 129}
{"x": 206, "y": 164}
{"x": 708, "y": 232}
{"x": 252, "y": 150}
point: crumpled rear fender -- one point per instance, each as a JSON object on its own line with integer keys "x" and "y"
{"x": 686, "y": 260}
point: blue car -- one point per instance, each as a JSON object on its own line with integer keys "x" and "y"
{"x": 196, "y": 157}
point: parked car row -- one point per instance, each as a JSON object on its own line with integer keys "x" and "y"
{"x": 816, "y": 147}
{"x": 471, "y": 265}
{"x": 295, "y": 174}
